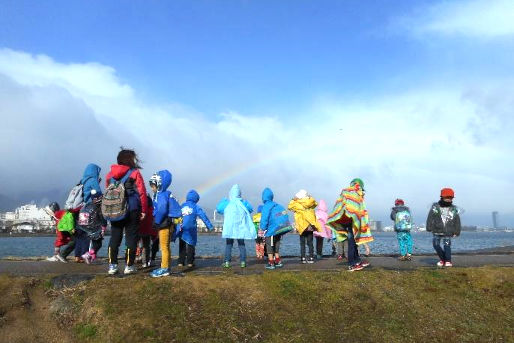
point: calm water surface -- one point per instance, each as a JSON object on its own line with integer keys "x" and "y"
{"x": 210, "y": 245}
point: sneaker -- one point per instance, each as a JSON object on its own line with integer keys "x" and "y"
{"x": 52, "y": 259}
{"x": 409, "y": 257}
{"x": 79, "y": 259}
{"x": 60, "y": 258}
{"x": 113, "y": 269}
{"x": 355, "y": 267}
{"x": 402, "y": 258}
{"x": 226, "y": 264}
{"x": 130, "y": 269}
{"x": 304, "y": 260}
{"x": 243, "y": 264}
{"x": 310, "y": 260}
{"x": 160, "y": 272}
{"x": 448, "y": 264}
{"x": 180, "y": 265}
{"x": 190, "y": 265}
{"x": 87, "y": 258}
{"x": 279, "y": 264}
{"x": 270, "y": 266}
{"x": 440, "y": 263}
{"x": 340, "y": 257}
{"x": 364, "y": 264}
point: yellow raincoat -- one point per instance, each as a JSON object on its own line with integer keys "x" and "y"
{"x": 304, "y": 214}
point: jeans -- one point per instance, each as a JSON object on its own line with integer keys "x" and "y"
{"x": 404, "y": 242}
{"x": 319, "y": 245}
{"x": 65, "y": 250}
{"x": 353, "y": 250}
{"x": 131, "y": 227}
{"x": 340, "y": 246}
{"x": 81, "y": 243}
{"x": 446, "y": 254}
{"x": 242, "y": 249}
{"x": 306, "y": 236}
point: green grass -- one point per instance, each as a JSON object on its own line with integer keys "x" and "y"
{"x": 457, "y": 305}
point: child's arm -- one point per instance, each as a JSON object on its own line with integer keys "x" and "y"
{"x": 161, "y": 209}
{"x": 294, "y": 206}
{"x": 248, "y": 206}
{"x": 457, "y": 224}
{"x": 204, "y": 218}
{"x": 222, "y": 205}
{"x": 430, "y": 218}
{"x": 266, "y": 213}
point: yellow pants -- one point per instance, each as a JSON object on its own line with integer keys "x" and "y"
{"x": 164, "y": 244}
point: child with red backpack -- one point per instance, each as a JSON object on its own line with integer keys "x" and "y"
{"x": 64, "y": 229}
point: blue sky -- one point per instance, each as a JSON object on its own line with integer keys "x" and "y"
{"x": 413, "y": 85}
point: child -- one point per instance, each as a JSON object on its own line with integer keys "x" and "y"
{"x": 303, "y": 206}
{"x": 350, "y": 218}
{"x": 147, "y": 234}
{"x": 166, "y": 209}
{"x": 260, "y": 240}
{"x": 237, "y": 224}
{"x": 326, "y": 232}
{"x": 188, "y": 234}
{"x": 275, "y": 223}
{"x": 402, "y": 218}
{"x": 444, "y": 222}
{"x": 92, "y": 223}
{"x": 64, "y": 229}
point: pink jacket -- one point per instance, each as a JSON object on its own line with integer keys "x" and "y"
{"x": 322, "y": 217}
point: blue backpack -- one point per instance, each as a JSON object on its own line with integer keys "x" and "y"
{"x": 403, "y": 221}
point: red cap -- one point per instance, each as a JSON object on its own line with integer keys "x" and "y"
{"x": 399, "y": 202}
{"x": 447, "y": 193}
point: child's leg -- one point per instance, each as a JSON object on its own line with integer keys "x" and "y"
{"x": 242, "y": 250}
{"x": 340, "y": 248}
{"x": 115, "y": 241}
{"x": 302, "y": 244}
{"x": 228, "y": 249}
{"x": 190, "y": 252}
{"x": 353, "y": 249}
{"x": 447, "y": 242}
{"x": 402, "y": 243}
{"x": 276, "y": 242}
{"x": 409, "y": 243}
{"x": 96, "y": 245}
{"x": 269, "y": 248}
{"x": 146, "y": 247}
{"x": 155, "y": 247}
{"x": 310, "y": 238}
{"x": 319, "y": 246}
{"x": 68, "y": 248}
{"x": 131, "y": 236}
{"x": 436, "y": 242}
{"x": 164, "y": 242}
{"x": 181, "y": 252}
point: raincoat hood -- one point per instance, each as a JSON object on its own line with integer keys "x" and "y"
{"x": 118, "y": 171}
{"x": 302, "y": 194}
{"x": 193, "y": 196}
{"x": 235, "y": 192}
{"x": 322, "y": 206}
{"x": 259, "y": 209}
{"x": 267, "y": 195}
{"x": 166, "y": 178}
{"x": 91, "y": 171}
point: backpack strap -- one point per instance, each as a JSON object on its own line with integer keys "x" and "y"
{"x": 124, "y": 178}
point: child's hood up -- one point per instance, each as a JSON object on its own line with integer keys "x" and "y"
{"x": 193, "y": 196}
{"x": 267, "y": 195}
{"x": 235, "y": 192}
{"x": 91, "y": 171}
{"x": 166, "y": 178}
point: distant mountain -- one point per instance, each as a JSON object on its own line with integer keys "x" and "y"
{"x": 42, "y": 198}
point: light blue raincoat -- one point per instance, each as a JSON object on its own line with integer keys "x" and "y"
{"x": 238, "y": 222}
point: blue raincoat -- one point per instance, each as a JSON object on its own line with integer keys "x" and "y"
{"x": 90, "y": 181}
{"x": 274, "y": 218}
{"x": 190, "y": 212}
{"x": 164, "y": 203}
{"x": 237, "y": 222}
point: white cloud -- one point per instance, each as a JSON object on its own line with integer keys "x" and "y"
{"x": 406, "y": 145}
{"x": 472, "y": 18}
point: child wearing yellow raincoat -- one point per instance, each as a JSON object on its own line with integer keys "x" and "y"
{"x": 303, "y": 206}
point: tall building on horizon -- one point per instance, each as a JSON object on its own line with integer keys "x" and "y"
{"x": 496, "y": 223}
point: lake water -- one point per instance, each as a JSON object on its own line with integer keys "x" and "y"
{"x": 213, "y": 245}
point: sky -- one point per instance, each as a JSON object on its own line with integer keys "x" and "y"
{"x": 409, "y": 96}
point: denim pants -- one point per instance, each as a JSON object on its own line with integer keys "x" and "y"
{"x": 404, "y": 242}
{"x": 307, "y": 236}
{"x": 446, "y": 254}
{"x": 242, "y": 250}
{"x": 353, "y": 249}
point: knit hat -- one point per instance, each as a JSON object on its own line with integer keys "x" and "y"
{"x": 447, "y": 193}
{"x": 302, "y": 194}
{"x": 357, "y": 181}
{"x": 399, "y": 202}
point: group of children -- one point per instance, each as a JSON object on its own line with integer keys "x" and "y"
{"x": 151, "y": 223}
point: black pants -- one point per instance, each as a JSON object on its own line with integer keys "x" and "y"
{"x": 353, "y": 249}
{"x": 68, "y": 248}
{"x": 155, "y": 247}
{"x": 319, "y": 245}
{"x": 306, "y": 236}
{"x": 96, "y": 244}
{"x": 131, "y": 227}
{"x": 146, "y": 239}
{"x": 186, "y": 252}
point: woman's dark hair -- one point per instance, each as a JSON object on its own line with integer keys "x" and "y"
{"x": 127, "y": 157}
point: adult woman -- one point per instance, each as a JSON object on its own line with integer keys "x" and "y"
{"x": 127, "y": 169}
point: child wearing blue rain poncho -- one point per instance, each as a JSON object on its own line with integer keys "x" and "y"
{"x": 237, "y": 224}
{"x": 189, "y": 230}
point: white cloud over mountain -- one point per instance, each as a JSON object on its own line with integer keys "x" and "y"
{"x": 58, "y": 117}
